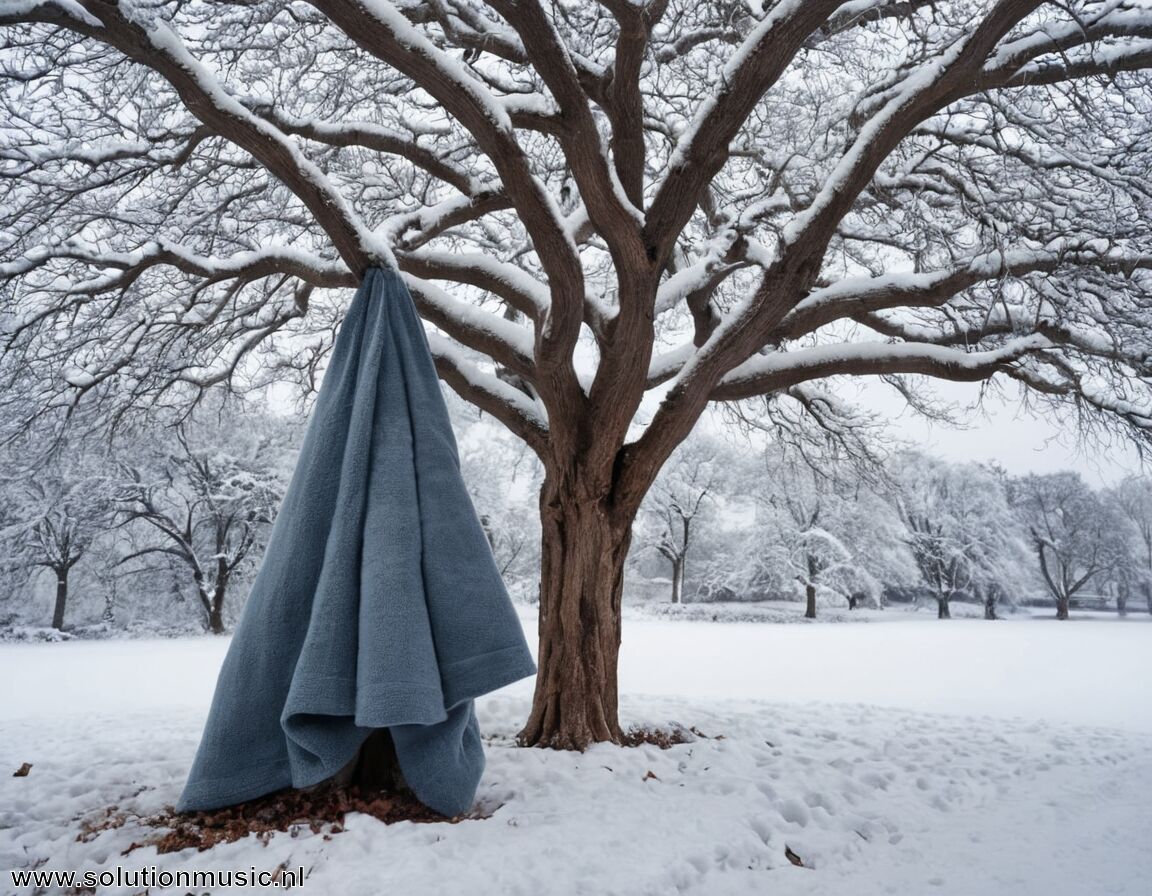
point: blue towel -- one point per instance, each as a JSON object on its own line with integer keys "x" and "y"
{"x": 378, "y": 603}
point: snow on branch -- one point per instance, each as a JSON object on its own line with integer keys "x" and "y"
{"x": 516, "y": 287}
{"x": 609, "y": 208}
{"x": 505, "y": 402}
{"x": 853, "y": 296}
{"x": 148, "y": 40}
{"x": 245, "y": 265}
{"x": 781, "y": 370}
{"x": 504, "y": 341}
{"x": 375, "y": 137}
{"x": 383, "y": 31}
{"x": 702, "y": 149}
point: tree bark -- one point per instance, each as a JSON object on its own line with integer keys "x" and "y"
{"x": 942, "y": 610}
{"x": 1061, "y": 608}
{"x": 584, "y": 544}
{"x": 61, "y": 599}
{"x": 810, "y": 596}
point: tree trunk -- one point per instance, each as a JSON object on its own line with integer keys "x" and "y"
{"x": 377, "y": 766}
{"x": 852, "y": 601}
{"x": 584, "y": 544}
{"x": 61, "y": 599}
{"x": 1061, "y": 608}
{"x": 678, "y": 581}
{"x": 942, "y": 611}
{"x": 1122, "y": 599}
{"x": 216, "y": 610}
{"x": 1148, "y": 597}
{"x": 810, "y": 597}
{"x": 212, "y": 609}
{"x": 989, "y": 596}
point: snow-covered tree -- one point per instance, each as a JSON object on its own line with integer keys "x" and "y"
{"x": 640, "y": 208}
{"x": 503, "y": 478}
{"x": 1134, "y": 499}
{"x": 1076, "y": 536}
{"x": 824, "y": 531}
{"x": 55, "y": 512}
{"x": 806, "y": 514}
{"x": 959, "y": 527}
{"x": 207, "y": 504}
{"x": 682, "y": 492}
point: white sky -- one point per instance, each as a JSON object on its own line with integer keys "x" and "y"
{"x": 1020, "y": 441}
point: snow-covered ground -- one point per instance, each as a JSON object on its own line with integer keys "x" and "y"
{"x": 916, "y": 757}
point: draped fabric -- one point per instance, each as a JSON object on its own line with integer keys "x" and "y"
{"x": 377, "y": 603}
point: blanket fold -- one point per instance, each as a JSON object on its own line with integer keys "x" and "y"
{"x": 378, "y": 603}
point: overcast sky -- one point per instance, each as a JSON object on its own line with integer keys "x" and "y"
{"x": 1021, "y": 442}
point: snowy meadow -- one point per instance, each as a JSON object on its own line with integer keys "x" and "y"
{"x": 902, "y": 755}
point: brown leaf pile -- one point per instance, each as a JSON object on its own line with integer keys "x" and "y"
{"x": 320, "y": 810}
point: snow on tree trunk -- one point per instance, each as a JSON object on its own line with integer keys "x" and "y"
{"x": 61, "y": 599}
{"x": 581, "y": 584}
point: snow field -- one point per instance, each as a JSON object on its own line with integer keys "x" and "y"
{"x": 915, "y": 797}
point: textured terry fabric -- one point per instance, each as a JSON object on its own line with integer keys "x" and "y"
{"x": 378, "y": 603}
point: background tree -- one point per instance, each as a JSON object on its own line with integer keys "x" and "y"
{"x": 805, "y": 515}
{"x": 56, "y": 512}
{"x": 1134, "y": 498}
{"x": 682, "y": 491}
{"x": 642, "y": 208}
{"x": 206, "y": 507}
{"x": 1076, "y": 536}
{"x": 503, "y": 477}
{"x": 959, "y": 527}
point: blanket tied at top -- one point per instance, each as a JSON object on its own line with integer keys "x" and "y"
{"x": 377, "y": 603}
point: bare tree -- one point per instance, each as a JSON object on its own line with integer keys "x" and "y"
{"x": 56, "y": 513}
{"x": 959, "y": 527}
{"x": 206, "y": 508}
{"x": 685, "y": 202}
{"x": 1075, "y": 535}
{"x": 1134, "y": 498}
{"x": 675, "y": 502}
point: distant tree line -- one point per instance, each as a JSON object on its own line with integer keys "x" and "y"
{"x": 164, "y": 528}
{"x": 914, "y": 526}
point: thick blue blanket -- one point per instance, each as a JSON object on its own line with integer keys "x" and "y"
{"x": 378, "y": 603}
